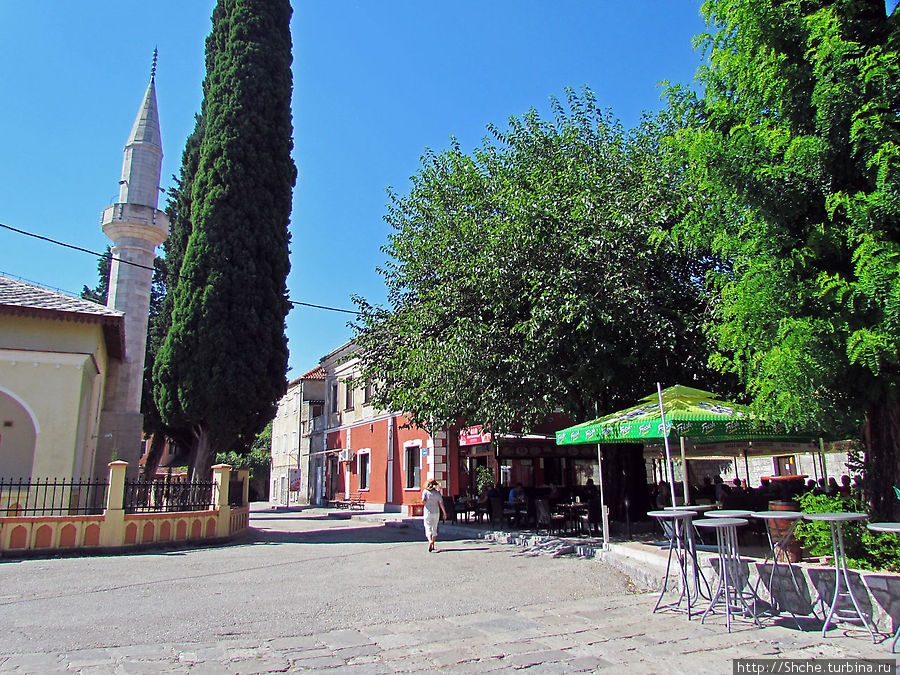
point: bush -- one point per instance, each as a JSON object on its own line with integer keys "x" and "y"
{"x": 866, "y": 550}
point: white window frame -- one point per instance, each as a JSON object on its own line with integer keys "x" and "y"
{"x": 367, "y": 452}
{"x": 416, "y": 448}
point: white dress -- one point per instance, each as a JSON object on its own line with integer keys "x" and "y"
{"x": 431, "y": 514}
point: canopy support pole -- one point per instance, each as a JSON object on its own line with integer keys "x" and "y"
{"x": 665, "y": 435}
{"x": 746, "y": 470}
{"x": 603, "y": 509}
{"x": 822, "y": 458}
{"x": 684, "y": 471}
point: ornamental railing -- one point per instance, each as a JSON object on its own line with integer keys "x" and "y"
{"x": 168, "y": 494}
{"x": 56, "y": 497}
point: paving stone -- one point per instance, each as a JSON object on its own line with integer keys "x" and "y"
{"x": 317, "y": 663}
{"x": 95, "y": 669}
{"x": 587, "y": 663}
{"x": 339, "y": 639}
{"x": 149, "y": 667}
{"x": 33, "y": 662}
{"x": 537, "y": 658}
{"x": 412, "y": 664}
{"x": 502, "y": 649}
{"x": 362, "y": 669}
{"x": 361, "y": 650}
{"x": 211, "y": 669}
{"x": 294, "y": 643}
{"x": 259, "y": 665}
{"x": 86, "y": 658}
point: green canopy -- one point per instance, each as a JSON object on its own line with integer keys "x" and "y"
{"x": 689, "y": 413}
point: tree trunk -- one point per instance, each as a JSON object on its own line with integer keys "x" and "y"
{"x": 154, "y": 454}
{"x": 201, "y": 459}
{"x": 882, "y": 439}
{"x": 625, "y": 478}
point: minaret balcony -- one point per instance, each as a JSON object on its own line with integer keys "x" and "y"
{"x": 135, "y": 221}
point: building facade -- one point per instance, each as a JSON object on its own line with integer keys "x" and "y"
{"x": 356, "y": 449}
{"x": 291, "y": 434}
{"x": 56, "y": 353}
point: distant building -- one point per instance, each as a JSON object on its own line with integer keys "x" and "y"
{"x": 291, "y": 432}
{"x": 361, "y": 450}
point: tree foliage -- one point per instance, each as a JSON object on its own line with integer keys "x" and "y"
{"x": 521, "y": 280}
{"x": 100, "y": 292}
{"x": 221, "y": 367}
{"x": 795, "y": 158}
{"x": 162, "y": 301}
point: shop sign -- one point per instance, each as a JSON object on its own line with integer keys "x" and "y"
{"x": 295, "y": 480}
{"x": 474, "y": 436}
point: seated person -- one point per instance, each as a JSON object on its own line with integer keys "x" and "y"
{"x": 517, "y": 494}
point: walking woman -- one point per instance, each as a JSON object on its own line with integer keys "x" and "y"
{"x": 431, "y": 513}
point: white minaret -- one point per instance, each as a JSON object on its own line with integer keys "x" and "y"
{"x": 136, "y": 227}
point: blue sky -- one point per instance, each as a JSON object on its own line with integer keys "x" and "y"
{"x": 375, "y": 83}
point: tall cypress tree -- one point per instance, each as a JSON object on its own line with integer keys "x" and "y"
{"x": 221, "y": 367}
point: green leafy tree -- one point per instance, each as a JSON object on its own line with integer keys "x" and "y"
{"x": 100, "y": 292}
{"x": 221, "y": 367}
{"x": 521, "y": 280}
{"x": 794, "y": 155}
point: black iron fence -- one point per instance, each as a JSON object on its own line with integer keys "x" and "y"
{"x": 168, "y": 494}
{"x": 57, "y": 497}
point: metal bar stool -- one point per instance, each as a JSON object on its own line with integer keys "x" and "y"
{"x": 731, "y": 581}
{"x": 835, "y": 519}
{"x": 893, "y": 528}
{"x": 680, "y": 521}
{"x": 693, "y": 537}
{"x": 793, "y": 517}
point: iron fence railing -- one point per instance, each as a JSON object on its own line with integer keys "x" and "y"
{"x": 168, "y": 494}
{"x": 56, "y": 497}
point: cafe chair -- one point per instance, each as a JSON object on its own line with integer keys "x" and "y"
{"x": 593, "y": 519}
{"x": 547, "y": 520}
{"x": 450, "y": 508}
{"x": 500, "y": 515}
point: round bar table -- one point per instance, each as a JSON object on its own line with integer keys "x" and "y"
{"x": 729, "y": 513}
{"x": 700, "y": 510}
{"x": 793, "y": 517}
{"x": 835, "y": 519}
{"x": 892, "y": 528}
{"x": 730, "y": 586}
{"x": 679, "y": 544}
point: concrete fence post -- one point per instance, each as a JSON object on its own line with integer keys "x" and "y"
{"x": 222, "y": 477}
{"x": 244, "y": 477}
{"x": 112, "y": 527}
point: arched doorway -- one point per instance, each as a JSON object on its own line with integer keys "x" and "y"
{"x": 18, "y": 437}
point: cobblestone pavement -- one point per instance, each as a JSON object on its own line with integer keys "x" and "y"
{"x": 310, "y": 593}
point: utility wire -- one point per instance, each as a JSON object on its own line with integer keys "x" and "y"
{"x": 295, "y": 303}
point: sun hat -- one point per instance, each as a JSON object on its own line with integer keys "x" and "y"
{"x": 434, "y": 482}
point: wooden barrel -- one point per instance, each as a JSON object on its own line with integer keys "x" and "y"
{"x": 790, "y": 551}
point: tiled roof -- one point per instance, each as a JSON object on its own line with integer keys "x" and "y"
{"x": 317, "y": 373}
{"x": 24, "y": 299}
{"x": 15, "y": 293}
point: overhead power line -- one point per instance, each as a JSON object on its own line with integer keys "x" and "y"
{"x": 295, "y": 303}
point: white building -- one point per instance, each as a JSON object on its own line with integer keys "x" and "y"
{"x": 291, "y": 431}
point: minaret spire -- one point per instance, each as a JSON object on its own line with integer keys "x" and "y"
{"x": 136, "y": 227}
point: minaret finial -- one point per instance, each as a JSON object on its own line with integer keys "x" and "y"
{"x": 153, "y": 67}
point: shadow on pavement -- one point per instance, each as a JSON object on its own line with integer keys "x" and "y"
{"x": 345, "y": 535}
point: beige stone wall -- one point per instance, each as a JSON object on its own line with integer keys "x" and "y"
{"x": 52, "y": 376}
